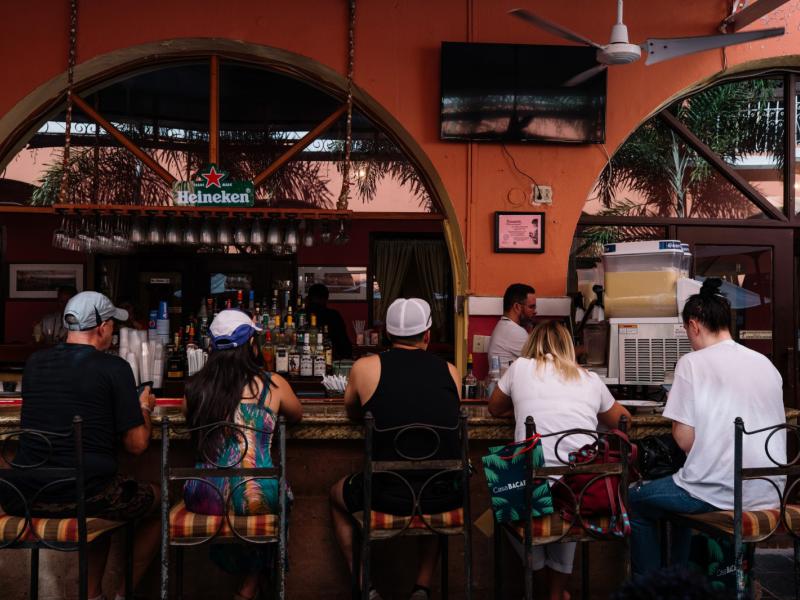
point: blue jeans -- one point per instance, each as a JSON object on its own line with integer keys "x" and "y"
{"x": 649, "y": 503}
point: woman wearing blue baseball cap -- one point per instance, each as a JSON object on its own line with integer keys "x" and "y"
{"x": 233, "y": 386}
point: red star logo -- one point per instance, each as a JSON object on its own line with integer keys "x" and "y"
{"x": 212, "y": 177}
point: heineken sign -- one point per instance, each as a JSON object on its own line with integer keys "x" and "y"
{"x": 209, "y": 187}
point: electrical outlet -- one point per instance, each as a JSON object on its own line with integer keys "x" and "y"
{"x": 542, "y": 194}
{"x": 480, "y": 343}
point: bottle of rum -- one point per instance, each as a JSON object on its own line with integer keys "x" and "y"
{"x": 268, "y": 352}
{"x": 306, "y": 359}
{"x": 176, "y": 360}
{"x": 319, "y": 357}
{"x": 328, "y": 349}
{"x": 281, "y": 355}
{"x": 469, "y": 385}
{"x": 294, "y": 358}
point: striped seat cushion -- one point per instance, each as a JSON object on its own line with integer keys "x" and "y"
{"x": 52, "y": 529}
{"x": 384, "y": 521}
{"x": 755, "y": 523}
{"x": 186, "y": 524}
{"x": 550, "y": 528}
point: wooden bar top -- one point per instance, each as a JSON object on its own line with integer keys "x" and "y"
{"x": 325, "y": 419}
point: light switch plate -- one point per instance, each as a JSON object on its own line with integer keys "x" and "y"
{"x": 480, "y": 343}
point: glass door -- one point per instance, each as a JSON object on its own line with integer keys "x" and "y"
{"x": 755, "y": 266}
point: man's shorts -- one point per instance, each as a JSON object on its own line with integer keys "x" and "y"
{"x": 123, "y": 499}
{"x": 391, "y": 495}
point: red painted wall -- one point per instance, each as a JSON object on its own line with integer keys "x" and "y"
{"x": 397, "y": 46}
{"x": 28, "y": 239}
{"x": 356, "y": 254}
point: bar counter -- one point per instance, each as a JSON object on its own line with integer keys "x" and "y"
{"x": 326, "y": 420}
{"x": 324, "y": 447}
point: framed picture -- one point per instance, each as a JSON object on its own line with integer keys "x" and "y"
{"x": 42, "y": 281}
{"x": 343, "y": 283}
{"x": 519, "y": 232}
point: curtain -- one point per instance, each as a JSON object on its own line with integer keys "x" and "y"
{"x": 392, "y": 258}
{"x": 432, "y": 261}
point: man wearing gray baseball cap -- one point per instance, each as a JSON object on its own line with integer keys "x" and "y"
{"x": 78, "y": 377}
{"x": 403, "y": 386}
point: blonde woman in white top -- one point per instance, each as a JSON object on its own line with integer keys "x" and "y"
{"x": 547, "y": 383}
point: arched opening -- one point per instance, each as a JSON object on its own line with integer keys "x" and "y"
{"x": 714, "y": 168}
{"x": 268, "y": 100}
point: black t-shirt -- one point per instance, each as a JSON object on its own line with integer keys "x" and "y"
{"x": 77, "y": 379}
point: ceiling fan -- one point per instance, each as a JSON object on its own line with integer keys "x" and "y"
{"x": 619, "y": 51}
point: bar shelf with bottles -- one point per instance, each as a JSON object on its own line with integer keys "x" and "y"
{"x": 290, "y": 343}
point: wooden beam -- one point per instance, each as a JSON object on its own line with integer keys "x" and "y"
{"x": 213, "y": 107}
{"x": 124, "y": 140}
{"x": 622, "y": 221}
{"x": 300, "y": 145}
{"x": 790, "y": 135}
{"x": 742, "y": 18}
{"x": 720, "y": 165}
{"x": 159, "y": 209}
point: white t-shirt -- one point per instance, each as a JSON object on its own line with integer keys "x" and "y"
{"x": 712, "y": 387}
{"x": 507, "y": 341}
{"x": 554, "y": 404}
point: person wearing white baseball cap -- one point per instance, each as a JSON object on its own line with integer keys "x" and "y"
{"x": 402, "y": 386}
{"x": 234, "y": 387}
{"x": 78, "y": 377}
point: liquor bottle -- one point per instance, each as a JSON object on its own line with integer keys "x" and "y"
{"x": 289, "y": 329}
{"x": 300, "y": 316}
{"x": 268, "y": 352}
{"x": 306, "y": 359}
{"x": 469, "y": 385}
{"x": 228, "y": 304}
{"x": 312, "y": 329}
{"x": 251, "y": 301}
{"x": 294, "y": 357}
{"x": 275, "y": 330}
{"x": 281, "y": 357}
{"x": 319, "y": 357}
{"x": 240, "y": 299}
{"x": 328, "y": 349}
{"x": 494, "y": 374}
{"x": 205, "y": 340}
{"x": 176, "y": 360}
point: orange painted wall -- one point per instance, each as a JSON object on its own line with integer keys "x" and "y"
{"x": 397, "y": 63}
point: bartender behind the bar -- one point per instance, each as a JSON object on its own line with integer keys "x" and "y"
{"x": 51, "y": 328}
{"x": 511, "y": 331}
{"x": 317, "y": 303}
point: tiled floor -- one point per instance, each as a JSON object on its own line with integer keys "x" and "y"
{"x": 774, "y": 571}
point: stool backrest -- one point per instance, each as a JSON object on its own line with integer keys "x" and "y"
{"x": 422, "y": 460}
{"x": 207, "y": 436}
{"x": 789, "y": 469}
{"x": 591, "y": 467}
{"x": 16, "y": 487}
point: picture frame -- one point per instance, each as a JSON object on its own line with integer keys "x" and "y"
{"x": 519, "y": 232}
{"x": 345, "y": 284}
{"x": 41, "y": 281}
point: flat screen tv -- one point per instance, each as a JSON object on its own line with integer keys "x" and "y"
{"x": 516, "y": 93}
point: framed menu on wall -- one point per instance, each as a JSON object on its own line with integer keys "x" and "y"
{"x": 519, "y": 232}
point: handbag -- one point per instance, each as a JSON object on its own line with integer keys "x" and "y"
{"x": 504, "y": 468}
{"x": 659, "y": 456}
{"x": 596, "y": 495}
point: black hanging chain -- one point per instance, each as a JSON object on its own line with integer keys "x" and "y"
{"x": 344, "y": 196}
{"x": 73, "y": 43}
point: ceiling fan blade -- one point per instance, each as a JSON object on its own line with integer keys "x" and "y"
{"x": 550, "y": 27}
{"x": 585, "y": 76}
{"x": 659, "y": 50}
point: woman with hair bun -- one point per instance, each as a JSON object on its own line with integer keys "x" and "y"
{"x": 718, "y": 382}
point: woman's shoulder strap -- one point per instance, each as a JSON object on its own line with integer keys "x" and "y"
{"x": 265, "y": 389}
